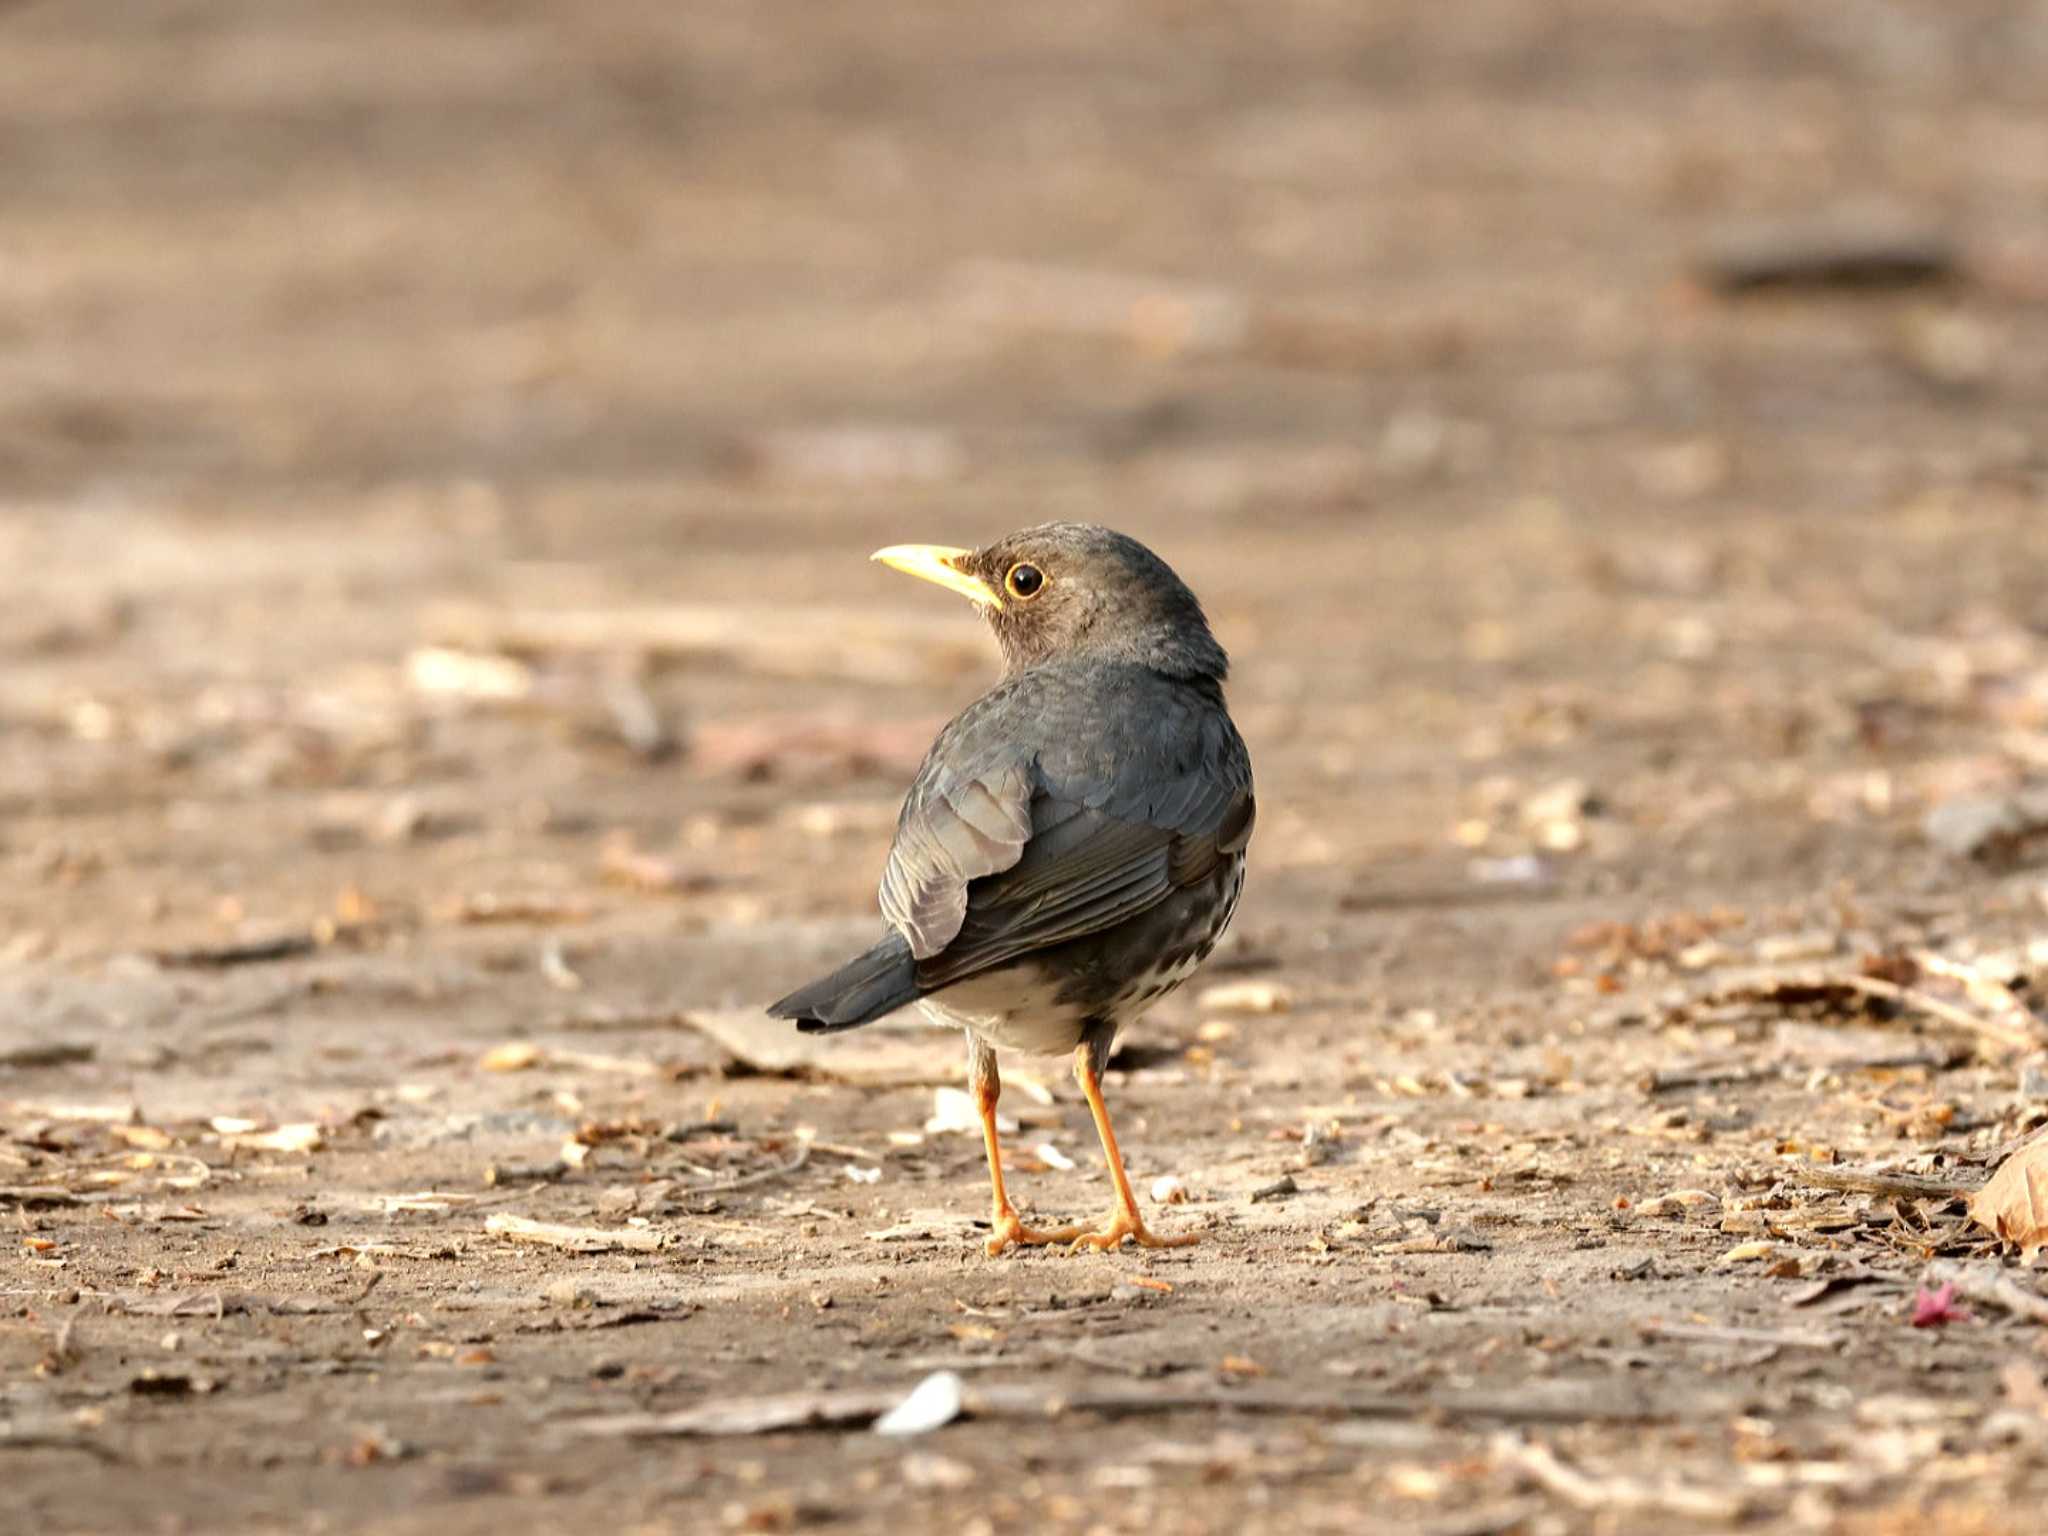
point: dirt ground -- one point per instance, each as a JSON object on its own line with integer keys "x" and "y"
{"x": 442, "y": 694}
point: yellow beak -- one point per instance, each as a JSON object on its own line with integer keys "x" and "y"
{"x": 941, "y": 564}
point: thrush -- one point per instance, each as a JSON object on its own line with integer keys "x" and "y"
{"x": 1074, "y": 844}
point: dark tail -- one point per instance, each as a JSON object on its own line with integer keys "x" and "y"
{"x": 859, "y": 992}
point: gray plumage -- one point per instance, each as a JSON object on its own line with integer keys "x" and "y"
{"x": 1074, "y": 842}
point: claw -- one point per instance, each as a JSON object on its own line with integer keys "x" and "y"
{"x": 1124, "y": 1223}
{"x": 1010, "y": 1231}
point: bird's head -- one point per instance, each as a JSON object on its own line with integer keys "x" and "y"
{"x": 1073, "y": 591}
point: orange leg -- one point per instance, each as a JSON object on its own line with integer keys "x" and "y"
{"x": 1008, "y": 1227}
{"x": 1124, "y": 1221}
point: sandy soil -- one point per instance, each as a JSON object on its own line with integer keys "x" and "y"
{"x": 442, "y": 694}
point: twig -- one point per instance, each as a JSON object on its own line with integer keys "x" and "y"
{"x": 278, "y": 946}
{"x": 990, "y": 1400}
{"x": 1095, "y": 1359}
{"x": 526, "y": 1173}
{"x": 748, "y": 1180}
{"x": 1832, "y": 252}
{"x": 1987, "y": 992}
{"x": 1990, "y": 1286}
{"x": 1948, "y": 1013}
{"x": 1706, "y": 1075}
{"x": 1542, "y": 1466}
{"x": 212, "y": 957}
{"x": 1725, "y": 1073}
{"x": 31, "y": 1195}
{"x": 34, "y": 1440}
{"x": 573, "y": 1239}
{"x": 1803, "y": 982}
{"x": 590, "y": 1061}
{"x": 51, "y": 1053}
{"x": 1877, "y": 1181}
{"x": 1706, "y": 1333}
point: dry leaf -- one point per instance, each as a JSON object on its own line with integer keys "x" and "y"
{"x": 2014, "y": 1204}
{"x": 1052, "y": 1157}
{"x": 935, "y": 1402}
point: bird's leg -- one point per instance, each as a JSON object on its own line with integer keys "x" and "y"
{"x": 1124, "y": 1221}
{"x": 1007, "y": 1227}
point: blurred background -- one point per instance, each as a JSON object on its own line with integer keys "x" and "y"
{"x": 1665, "y": 379}
{"x": 440, "y": 443}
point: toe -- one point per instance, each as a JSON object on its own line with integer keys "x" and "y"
{"x": 1010, "y": 1232}
{"x": 1126, "y": 1224}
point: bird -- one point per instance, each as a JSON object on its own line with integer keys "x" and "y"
{"x": 1074, "y": 843}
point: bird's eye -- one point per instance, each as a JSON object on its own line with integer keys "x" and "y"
{"x": 1024, "y": 581}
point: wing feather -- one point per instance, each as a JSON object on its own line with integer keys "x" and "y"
{"x": 1022, "y": 832}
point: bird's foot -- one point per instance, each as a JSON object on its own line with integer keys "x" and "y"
{"x": 1126, "y": 1222}
{"x": 1010, "y": 1231}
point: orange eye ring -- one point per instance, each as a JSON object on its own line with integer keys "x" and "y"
{"x": 1024, "y": 581}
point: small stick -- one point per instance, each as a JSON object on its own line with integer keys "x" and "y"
{"x": 1948, "y": 1013}
{"x": 280, "y": 946}
{"x": 1703, "y": 1333}
{"x": 1706, "y": 1075}
{"x": 53, "y": 1053}
{"x": 573, "y": 1239}
{"x": 1986, "y": 992}
{"x": 1877, "y": 1181}
{"x": 32, "y": 1440}
{"x": 37, "y": 1194}
{"x": 1542, "y": 1466}
{"x": 748, "y": 1180}
{"x": 211, "y": 957}
{"x": 991, "y": 1400}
